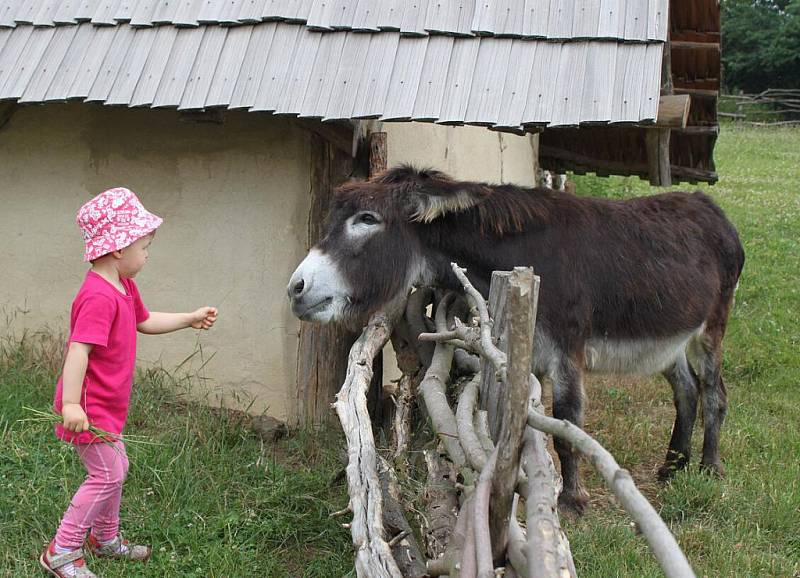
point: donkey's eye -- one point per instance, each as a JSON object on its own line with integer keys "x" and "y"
{"x": 367, "y": 219}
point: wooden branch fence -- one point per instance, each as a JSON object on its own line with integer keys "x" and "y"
{"x": 772, "y": 107}
{"x": 484, "y": 461}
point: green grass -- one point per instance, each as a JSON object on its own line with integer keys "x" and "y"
{"x": 747, "y": 524}
{"x": 212, "y": 500}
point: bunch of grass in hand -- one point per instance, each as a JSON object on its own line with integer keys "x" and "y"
{"x": 53, "y": 418}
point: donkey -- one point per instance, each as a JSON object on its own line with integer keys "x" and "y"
{"x": 627, "y": 287}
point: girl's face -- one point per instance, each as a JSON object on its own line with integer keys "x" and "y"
{"x": 134, "y": 256}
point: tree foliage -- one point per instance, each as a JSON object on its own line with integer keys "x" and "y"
{"x": 761, "y": 44}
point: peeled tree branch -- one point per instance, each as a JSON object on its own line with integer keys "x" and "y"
{"x": 373, "y": 555}
{"x": 661, "y": 541}
{"x": 463, "y": 538}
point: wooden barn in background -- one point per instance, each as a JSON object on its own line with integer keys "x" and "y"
{"x": 690, "y": 67}
{"x": 235, "y": 104}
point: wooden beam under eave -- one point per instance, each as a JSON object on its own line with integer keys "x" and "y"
{"x": 322, "y": 349}
{"x": 338, "y": 133}
{"x": 673, "y": 111}
{"x": 658, "y": 163}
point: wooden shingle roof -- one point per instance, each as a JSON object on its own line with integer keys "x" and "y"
{"x": 518, "y": 65}
{"x": 630, "y": 20}
{"x": 499, "y": 64}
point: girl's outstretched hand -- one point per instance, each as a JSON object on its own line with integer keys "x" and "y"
{"x": 75, "y": 419}
{"x": 204, "y": 318}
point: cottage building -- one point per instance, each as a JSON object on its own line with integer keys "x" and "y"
{"x": 234, "y": 119}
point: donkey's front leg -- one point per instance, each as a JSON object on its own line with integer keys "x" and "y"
{"x": 568, "y": 405}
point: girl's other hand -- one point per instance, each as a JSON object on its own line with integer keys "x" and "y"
{"x": 75, "y": 419}
{"x": 204, "y": 318}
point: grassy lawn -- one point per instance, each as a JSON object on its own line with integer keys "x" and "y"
{"x": 747, "y": 524}
{"x": 216, "y": 502}
{"x": 212, "y": 499}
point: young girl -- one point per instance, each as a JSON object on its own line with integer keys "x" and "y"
{"x": 95, "y": 384}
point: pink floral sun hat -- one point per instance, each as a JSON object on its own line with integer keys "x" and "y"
{"x": 113, "y": 220}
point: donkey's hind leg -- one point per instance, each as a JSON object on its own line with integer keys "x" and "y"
{"x": 568, "y": 405}
{"x": 684, "y": 392}
{"x": 707, "y": 349}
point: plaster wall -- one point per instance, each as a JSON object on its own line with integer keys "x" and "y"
{"x": 235, "y": 201}
{"x": 234, "y": 198}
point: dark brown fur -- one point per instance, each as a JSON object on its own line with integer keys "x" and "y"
{"x": 648, "y": 268}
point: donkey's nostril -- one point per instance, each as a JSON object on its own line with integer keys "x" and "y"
{"x": 297, "y": 289}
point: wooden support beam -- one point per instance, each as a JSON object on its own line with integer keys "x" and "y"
{"x": 554, "y": 158}
{"x": 692, "y": 45}
{"x": 695, "y": 92}
{"x": 658, "y": 165}
{"x": 380, "y": 404}
{"x": 673, "y": 111}
{"x": 702, "y": 85}
{"x": 338, "y": 133}
{"x": 694, "y": 36}
{"x": 377, "y": 153}
{"x": 322, "y": 349}
{"x": 704, "y": 130}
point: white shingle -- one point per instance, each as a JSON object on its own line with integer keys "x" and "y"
{"x": 187, "y": 12}
{"x": 69, "y": 68}
{"x": 154, "y": 68}
{"x": 374, "y": 86}
{"x": 46, "y": 13}
{"x": 428, "y": 103}
{"x": 599, "y": 73}
{"x": 27, "y": 63}
{"x": 132, "y": 66}
{"x": 459, "y": 80}
{"x": 90, "y": 66}
{"x": 13, "y": 48}
{"x": 229, "y": 66}
{"x": 179, "y": 66}
{"x": 517, "y": 82}
{"x": 348, "y": 77}
{"x": 568, "y": 97}
{"x": 299, "y": 73}
{"x": 106, "y": 10}
{"x": 315, "y": 100}
{"x": 112, "y": 63}
{"x": 8, "y": 9}
{"x": 203, "y": 69}
{"x": 276, "y": 71}
{"x": 404, "y": 82}
{"x": 488, "y": 82}
{"x": 47, "y": 68}
{"x": 535, "y": 18}
{"x": 252, "y": 67}
{"x": 289, "y": 69}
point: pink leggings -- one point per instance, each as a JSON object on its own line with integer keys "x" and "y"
{"x": 96, "y": 503}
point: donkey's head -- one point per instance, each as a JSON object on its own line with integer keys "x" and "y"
{"x": 371, "y": 254}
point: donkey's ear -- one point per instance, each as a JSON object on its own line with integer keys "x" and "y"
{"x": 436, "y": 195}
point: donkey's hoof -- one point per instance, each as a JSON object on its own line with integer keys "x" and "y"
{"x": 669, "y": 469}
{"x": 713, "y": 469}
{"x": 573, "y": 505}
{"x": 666, "y": 472}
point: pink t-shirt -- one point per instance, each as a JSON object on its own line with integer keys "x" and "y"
{"x": 107, "y": 319}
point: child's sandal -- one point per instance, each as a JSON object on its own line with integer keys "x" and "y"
{"x": 119, "y": 547}
{"x": 52, "y": 561}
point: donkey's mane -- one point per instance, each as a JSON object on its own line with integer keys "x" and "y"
{"x": 498, "y": 209}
